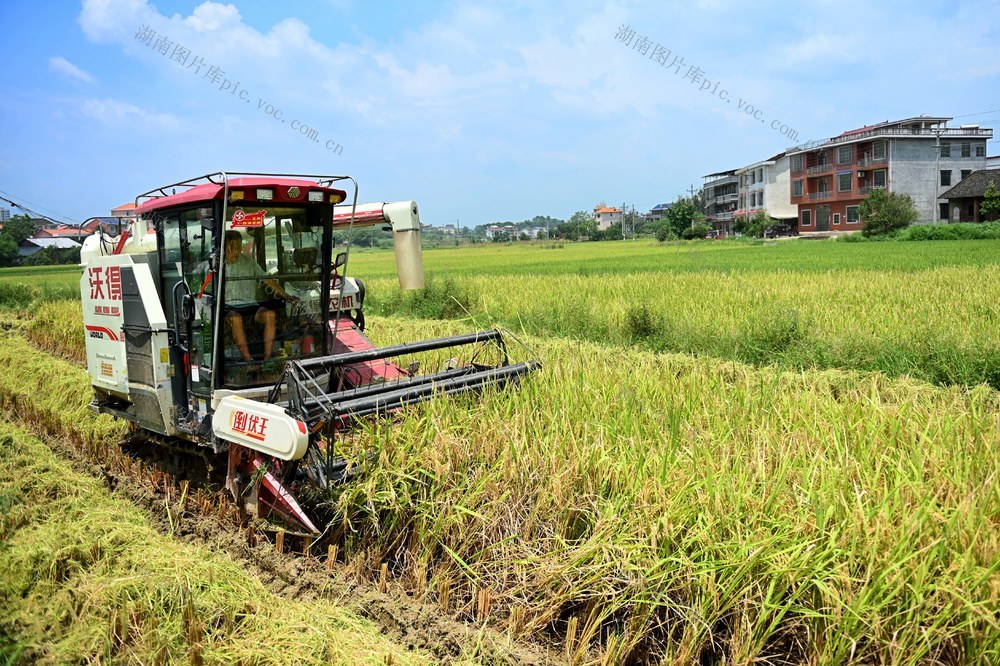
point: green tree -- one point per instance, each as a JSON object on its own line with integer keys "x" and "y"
{"x": 990, "y": 208}
{"x": 682, "y": 215}
{"x": 8, "y": 250}
{"x": 582, "y": 225}
{"x": 19, "y": 227}
{"x": 753, "y": 226}
{"x": 882, "y": 212}
{"x": 699, "y": 230}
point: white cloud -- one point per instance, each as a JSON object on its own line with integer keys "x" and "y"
{"x": 63, "y": 66}
{"x": 212, "y": 16}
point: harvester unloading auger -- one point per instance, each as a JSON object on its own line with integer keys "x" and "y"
{"x": 220, "y": 319}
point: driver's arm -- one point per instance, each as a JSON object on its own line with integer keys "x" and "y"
{"x": 280, "y": 291}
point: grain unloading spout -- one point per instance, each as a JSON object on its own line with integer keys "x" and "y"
{"x": 403, "y": 219}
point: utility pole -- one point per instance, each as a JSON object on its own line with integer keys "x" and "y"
{"x": 937, "y": 170}
{"x": 692, "y": 191}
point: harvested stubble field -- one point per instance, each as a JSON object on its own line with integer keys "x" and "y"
{"x": 627, "y": 504}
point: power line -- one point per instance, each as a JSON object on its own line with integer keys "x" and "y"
{"x": 980, "y": 113}
{"x": 34, "y": 211}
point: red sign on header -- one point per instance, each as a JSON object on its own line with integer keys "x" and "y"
{"x": 244, "y": 219}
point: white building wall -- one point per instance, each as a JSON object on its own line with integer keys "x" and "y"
{"x": 605, "y": 220}
{"x": 778, "y": 190}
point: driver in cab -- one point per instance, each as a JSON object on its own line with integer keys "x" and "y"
{"x": 241, "y": 296}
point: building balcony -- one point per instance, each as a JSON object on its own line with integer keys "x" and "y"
{"x": 819, "y": 168}
{"x": 822, "y": 194}
{"x": 972, "y": 132}
{"x": 868, "y": 161}
{"x": 865, "y": 191}
{"x": 726, "y": 198}
{"x": 722, "y": 217}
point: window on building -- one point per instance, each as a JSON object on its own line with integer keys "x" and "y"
{"x": 878, "y": 150}
{"x": 945, "y": 177}
{"x": 965, "y": 173}
{"x": 878, "y": 178}
{"x": 852, "y": 214}
{"x": 797, "y": 162}
{"x": 971, "y": 209}
{"x": 945, "y": 149}
{"x": 760, "y": 175}
{"x": 797, "y": 188}
{"x": 836, "y": 218}
{"x": 843, "y": 182}
{"x": 966, "y": 150}
{"x": 844, "y": 155}
{"x": 943, "y": 212}
{"x": 807, "y": 218}
{"x": 980, "y": 151}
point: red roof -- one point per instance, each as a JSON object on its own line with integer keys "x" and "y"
{"x": 60, "y": 232}
{"x": 605, "y": 209}
{"x": 211, "y": 191}
{"x": 124, "y": 208}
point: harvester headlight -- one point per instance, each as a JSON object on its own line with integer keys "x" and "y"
{"x": 265, "y": 194}
{"x": 236, "y": 195}
{"x": 336, "y": 198}
{"x": 315, "y": 196}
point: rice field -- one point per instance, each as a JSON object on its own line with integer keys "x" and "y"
{"x": 631, "y": 504}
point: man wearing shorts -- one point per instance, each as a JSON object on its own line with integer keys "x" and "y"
{"x": 241, "y": 295}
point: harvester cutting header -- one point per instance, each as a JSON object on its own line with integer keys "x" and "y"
{"x": 221, "y": 319}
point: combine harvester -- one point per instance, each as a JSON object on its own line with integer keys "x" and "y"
{"x": 220, "y": 322}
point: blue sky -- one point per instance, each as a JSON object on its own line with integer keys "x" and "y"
{"x": 480, "y": 111}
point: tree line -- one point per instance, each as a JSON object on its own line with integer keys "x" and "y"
{"x": 15, "y": 230}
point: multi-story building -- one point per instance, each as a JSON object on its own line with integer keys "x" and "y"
{"x": 766, "y": 186}
{"x": 606, "y": 217}
{"x": 921, "y": 157}
{"x": 720, "y": 194}
{"x": 657, "y": 213}
{"x": 4, "y": 214}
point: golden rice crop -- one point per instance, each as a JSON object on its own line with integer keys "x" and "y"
{"x": 84, "y": 578}
{"x": 694, "y": 508}
{"x": 941, "y": 325}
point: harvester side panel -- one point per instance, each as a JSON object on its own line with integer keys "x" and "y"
{"x": 103, "y": 316}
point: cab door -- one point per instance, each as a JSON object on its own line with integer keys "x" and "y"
{"x": 185, "y": 242}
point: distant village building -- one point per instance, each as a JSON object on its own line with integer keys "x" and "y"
{"x": 765, "y": 187}
{"x": 965, "y": 198}
{"x": 125, "y": 210}
{"x": 4, "y": 215}
{"x": 494, "y": 230}
{"x": 921, "y": 157}
{"x": 721, "y": 193}
{"x": 657, "y": 212}
{"x": 606, "y": 217}
{"x": 819, "y": 186}
{"x": 30, "y": 246}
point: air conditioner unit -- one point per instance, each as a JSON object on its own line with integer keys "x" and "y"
{"x": 861, "y": 174}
